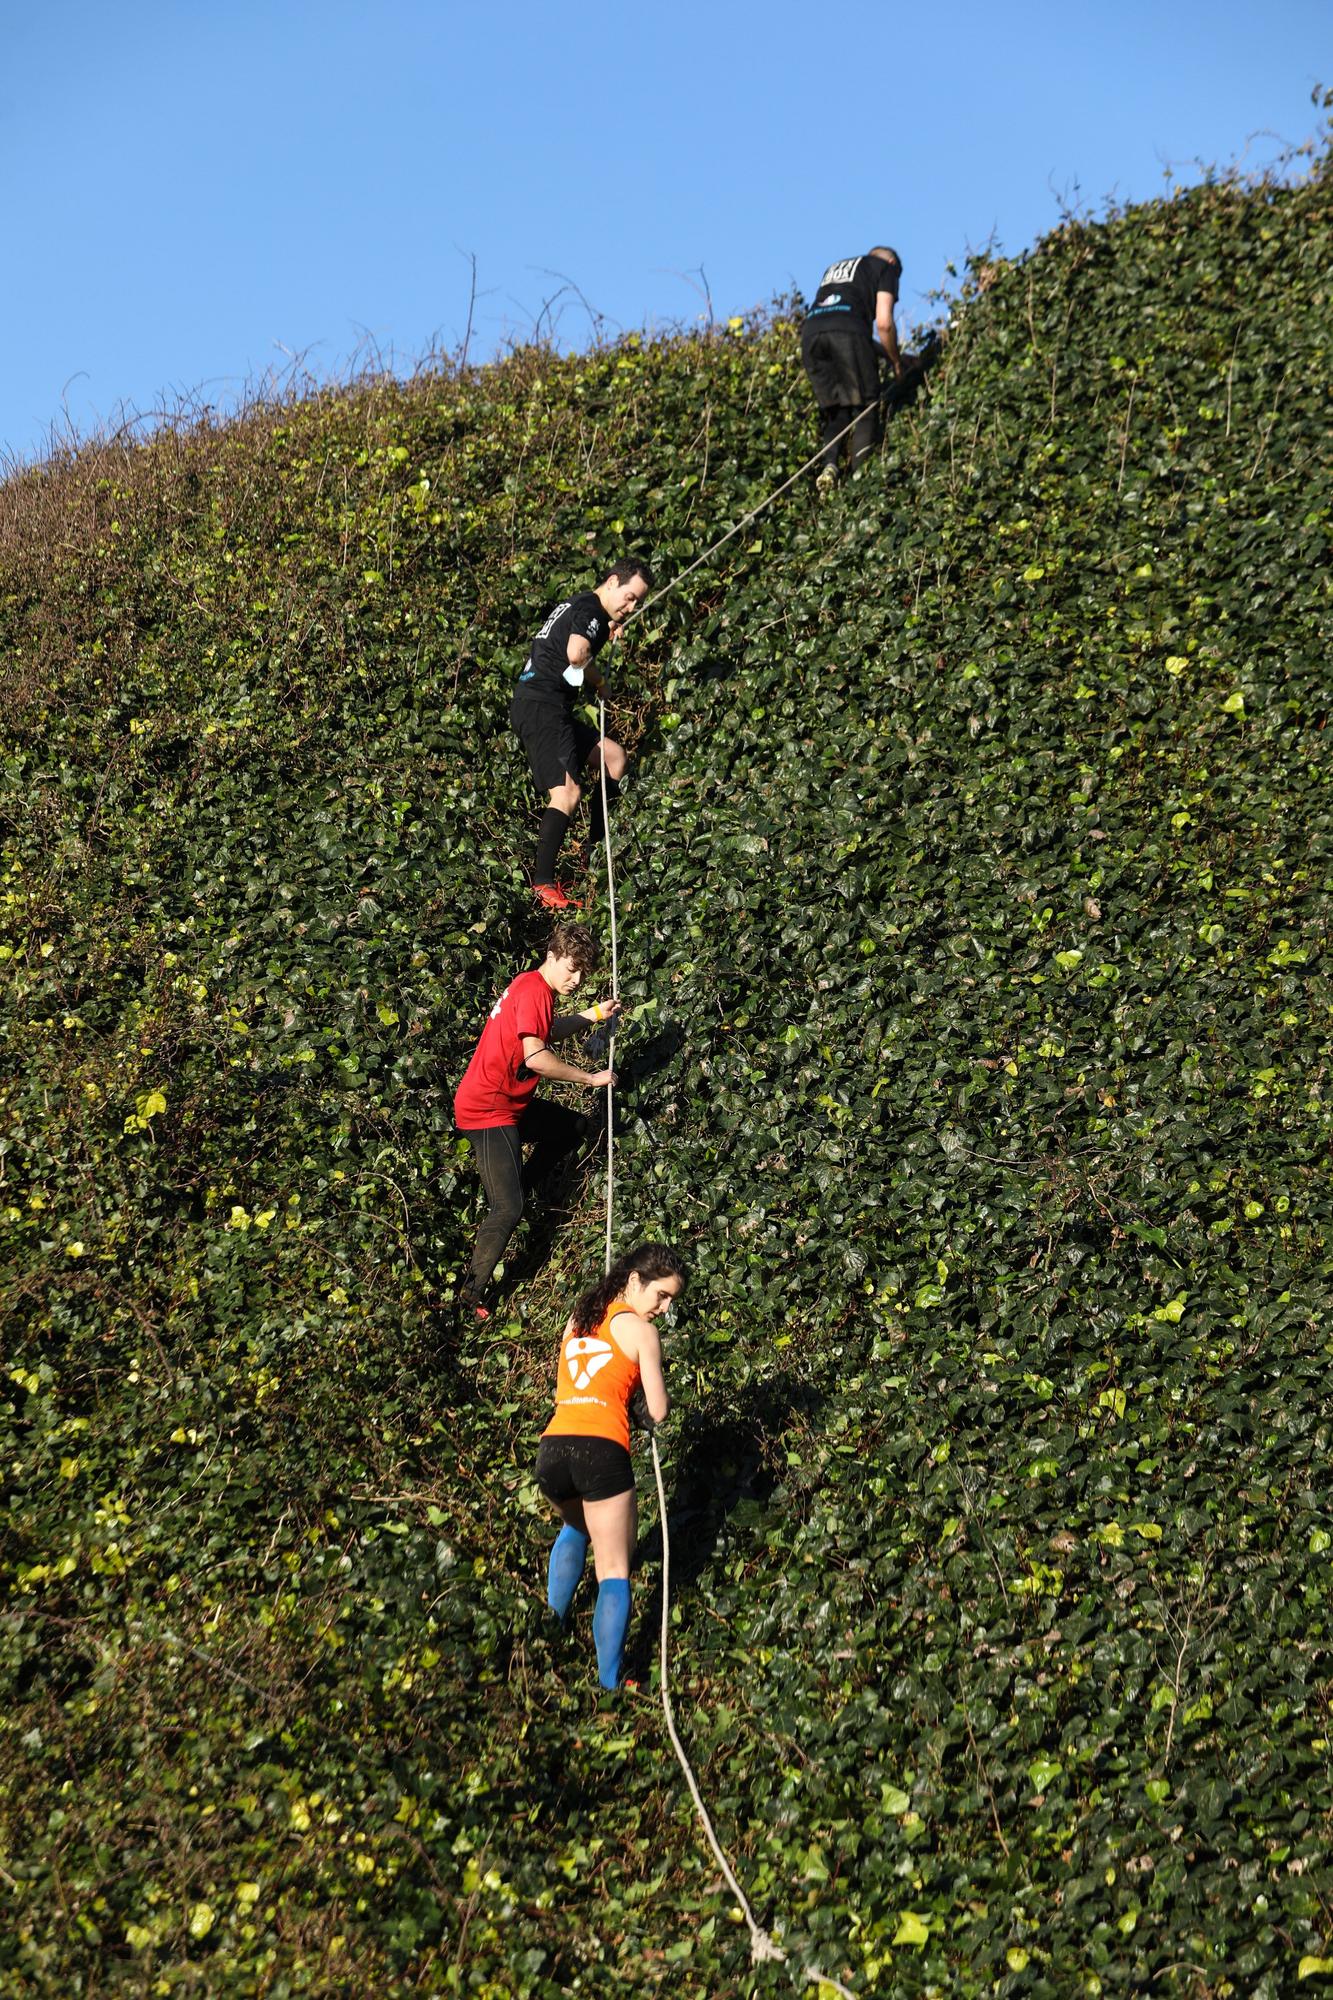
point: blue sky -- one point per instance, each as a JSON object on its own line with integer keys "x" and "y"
{"x": 192, "y": 193}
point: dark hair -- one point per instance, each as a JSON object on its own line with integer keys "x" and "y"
{"x": 626, "y": 570}
{"x": 649, "y": 1261}
{"x": 577, "y": 942}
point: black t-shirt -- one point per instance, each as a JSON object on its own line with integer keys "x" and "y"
{"x": 547, "y": 669}
{"x": 847, "y": 292}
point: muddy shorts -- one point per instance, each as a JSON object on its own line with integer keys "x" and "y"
{"x": 557, "y": 743}
{"x": 583, "y": 1468}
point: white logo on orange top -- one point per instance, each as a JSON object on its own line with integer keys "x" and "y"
{"x": 586, "y": 1357}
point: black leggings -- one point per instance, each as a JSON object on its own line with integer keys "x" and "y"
{"x": 554, "y": 1132}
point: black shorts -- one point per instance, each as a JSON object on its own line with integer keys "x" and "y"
{"x": 841, "y": 364}
{"x": 583, "y": 1468}
{"x": 557, "y": 743}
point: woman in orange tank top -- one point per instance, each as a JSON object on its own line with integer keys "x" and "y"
{"x": 610, "y": 1355}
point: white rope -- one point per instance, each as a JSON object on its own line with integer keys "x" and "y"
{"x": 746, "y": 519}
{"x": 615, "y": 976}
{"x": 762, "y": 1946}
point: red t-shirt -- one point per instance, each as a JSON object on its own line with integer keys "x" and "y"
{"x": 492, "y": 1091}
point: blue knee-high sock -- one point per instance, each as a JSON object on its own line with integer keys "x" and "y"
{"x": 565, "y": 1568}
{"x": 609, "y": 1624}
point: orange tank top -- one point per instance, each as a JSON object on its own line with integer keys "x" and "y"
{"x": 594, "y": 1383}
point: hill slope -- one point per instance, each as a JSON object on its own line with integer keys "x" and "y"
{"x": 973, "y": 892}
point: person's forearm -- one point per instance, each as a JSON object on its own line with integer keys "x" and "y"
{"x": 566, "y": 1025}
{"x": 545, "y": 1063}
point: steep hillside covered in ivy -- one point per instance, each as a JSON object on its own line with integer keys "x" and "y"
{"x": 973, "y": 892}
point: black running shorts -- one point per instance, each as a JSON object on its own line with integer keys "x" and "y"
{"x": 583, "y": 1468}
{"x": 557, "y": 743}
{"x": 841, "y": 364}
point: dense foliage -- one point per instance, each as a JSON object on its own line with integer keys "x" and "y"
{"x": 973, "y": 890}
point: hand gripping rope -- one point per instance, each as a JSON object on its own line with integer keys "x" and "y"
{"x": 762, "y": 1946}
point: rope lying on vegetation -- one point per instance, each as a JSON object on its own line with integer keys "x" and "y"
{"x": 762, "y": 1946}
{"x": 744, "y": 522}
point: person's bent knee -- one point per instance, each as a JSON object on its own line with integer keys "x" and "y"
{"x": 506, "y": 1213}
{"x": 615, "y": 760}
{"x": 565, "y": 797}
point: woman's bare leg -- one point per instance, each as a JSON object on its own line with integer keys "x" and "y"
{"x": 613, "y": 1525}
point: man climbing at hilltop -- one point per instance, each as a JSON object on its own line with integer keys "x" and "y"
{"x": 838, "y": 352}
{"x": 494, "y": 1104}
{"x": 559, "y": 746}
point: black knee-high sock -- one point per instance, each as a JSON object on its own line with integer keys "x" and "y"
{"x": 601, "y": 798}
{"x": 554, "y": 826}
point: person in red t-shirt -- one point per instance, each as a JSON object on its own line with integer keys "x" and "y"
{"x": 494, "y": 1104}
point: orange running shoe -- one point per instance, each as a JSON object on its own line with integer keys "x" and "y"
{"x": 553, "y": 896}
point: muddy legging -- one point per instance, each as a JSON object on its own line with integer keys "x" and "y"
{"x": 554, "y": 1132}
{"x": 833, "y": 422}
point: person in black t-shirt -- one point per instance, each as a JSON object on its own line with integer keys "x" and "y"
{"x": 838, "y": 351}
{"x": 559, "y": 666}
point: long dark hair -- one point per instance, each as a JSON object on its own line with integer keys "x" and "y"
{"x": 649, "y": 1261}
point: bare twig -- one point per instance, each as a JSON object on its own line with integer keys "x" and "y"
{"x": 981, "y": 1773}
{"x": 1124, "y": 439}
{"x": 1186, "y": 1631}
{"x": 974, "y": 1521}
{"x": 703, "y": 288}
{"x": 471, "y": 256}
{"x": 1231, "y": 370}
{"x": 1268, "y": 429}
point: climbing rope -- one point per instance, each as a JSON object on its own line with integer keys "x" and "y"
{"x": 762, "y": 1946}
{"x": 745, "y": 519}
{"x": 615, "y": 974}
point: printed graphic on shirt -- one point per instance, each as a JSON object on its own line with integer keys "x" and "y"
{"x": 849, "y": 292}
{"x": 548, "y": 669}
{"x": 496, "y": 1087}
{"x": 586, "y": 1357}
{"x": 559, "y": 612}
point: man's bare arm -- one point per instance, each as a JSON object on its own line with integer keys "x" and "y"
{"x": 579, "y": 654}
{"x": 544, "y": 1062}
{"x": 565, "y": 1025}
{"x": 888, "y": 332}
